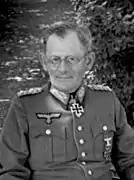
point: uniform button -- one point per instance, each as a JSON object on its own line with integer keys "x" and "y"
{"x": 89, "y": 172}
{"x": 83, "y": 162}
{"x": 48, "y": 131}
{"x": 83, "y": 154}
{"x": 105, "y": 128}
{"x": 81, "y": 141}
{"x": 79, "y": 128}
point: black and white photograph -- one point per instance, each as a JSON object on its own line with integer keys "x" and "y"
{"x": 66, "y": 90}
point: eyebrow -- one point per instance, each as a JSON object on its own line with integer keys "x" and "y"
{"x": 71, "y": 55}
{"x": 63, "y": 56}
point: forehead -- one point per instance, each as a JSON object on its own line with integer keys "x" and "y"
{"x": 69, "y": 44}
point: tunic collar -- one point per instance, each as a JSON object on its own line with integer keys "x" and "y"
{"x": 64, "y": 97}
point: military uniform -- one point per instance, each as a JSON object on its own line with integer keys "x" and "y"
{"x": 49, "y": 135}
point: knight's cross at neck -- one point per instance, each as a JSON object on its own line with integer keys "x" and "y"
{"x": 73, "y": 100}
{"x": 76, "y": 108}
{"x": 65, "y": 98}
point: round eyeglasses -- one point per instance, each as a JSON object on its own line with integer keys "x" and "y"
{"x": 55, "y": 61}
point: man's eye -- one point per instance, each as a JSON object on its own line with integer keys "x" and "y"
{"x": 55, "y": 60}
{"x": 72, "y": 59}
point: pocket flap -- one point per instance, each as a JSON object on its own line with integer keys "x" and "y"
{"x": 59, "y": 131}
{"x": 102, "y": 124}
{"x": 35, "y": 132}
{"x": 53, "y": 131}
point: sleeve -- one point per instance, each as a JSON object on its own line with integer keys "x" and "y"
{"x": 13, "y": 144}
{"x": 123, "y": 147}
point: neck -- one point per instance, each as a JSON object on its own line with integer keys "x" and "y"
{"x": 64, "y": 96}
{"x": 71, "y": 91}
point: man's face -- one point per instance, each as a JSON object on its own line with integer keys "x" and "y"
{"x": 65, "y": 77}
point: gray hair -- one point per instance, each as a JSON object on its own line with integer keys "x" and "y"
{"x": 61, "y": 29}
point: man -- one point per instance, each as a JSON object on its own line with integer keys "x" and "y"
{"x": 68, "y": 129}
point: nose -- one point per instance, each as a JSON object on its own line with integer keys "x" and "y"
{"x": 63, "y": 67}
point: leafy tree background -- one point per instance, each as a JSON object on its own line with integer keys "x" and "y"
{"x": 22, "y": 25}
{"x": 112, "y": 26}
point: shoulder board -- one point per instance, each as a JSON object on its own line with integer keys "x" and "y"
{"x": 29, "y": 91}
{"x": 99, "y": 87}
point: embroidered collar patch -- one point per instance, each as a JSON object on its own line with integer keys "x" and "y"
{"x": 64, "y": 97}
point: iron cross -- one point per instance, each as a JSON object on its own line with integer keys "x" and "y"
{"x": 108, "y": 141}
{"x": 77, "y": 109}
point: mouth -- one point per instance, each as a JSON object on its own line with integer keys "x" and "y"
{"x": 64, "y": 78}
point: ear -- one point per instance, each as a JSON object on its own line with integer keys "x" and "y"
{"x": 42, "y": 59}
{"x": 90, "y": 60}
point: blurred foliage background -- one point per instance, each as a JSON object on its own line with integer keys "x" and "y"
{"x": 22, "y": 23}
{"x": 112, "y": 25}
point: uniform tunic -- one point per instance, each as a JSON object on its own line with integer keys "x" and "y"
{"x": 66, "y": 147}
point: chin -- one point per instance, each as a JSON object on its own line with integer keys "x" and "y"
{"x": 66, "y": 89}
{"x": 66, "y": 86}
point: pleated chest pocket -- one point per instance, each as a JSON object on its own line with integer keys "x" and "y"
{"x": 47, "y": 144}
{"x": 103, "y": 129}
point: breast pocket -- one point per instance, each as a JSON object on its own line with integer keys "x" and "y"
{"x": 103, "y": 133}
{"x": 47, "y": 144}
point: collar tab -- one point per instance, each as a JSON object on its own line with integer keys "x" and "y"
{"x": 64, "y": 97}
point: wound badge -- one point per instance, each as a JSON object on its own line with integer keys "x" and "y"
{"x": 48, "y": 116}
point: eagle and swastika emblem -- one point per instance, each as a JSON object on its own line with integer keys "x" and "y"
{"x": 77, "y": 109}
{"x": 48, "y": 116}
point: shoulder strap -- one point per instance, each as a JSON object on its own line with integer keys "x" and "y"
{"x": 99, "y": 87}
{"x": 29, "y": 91}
